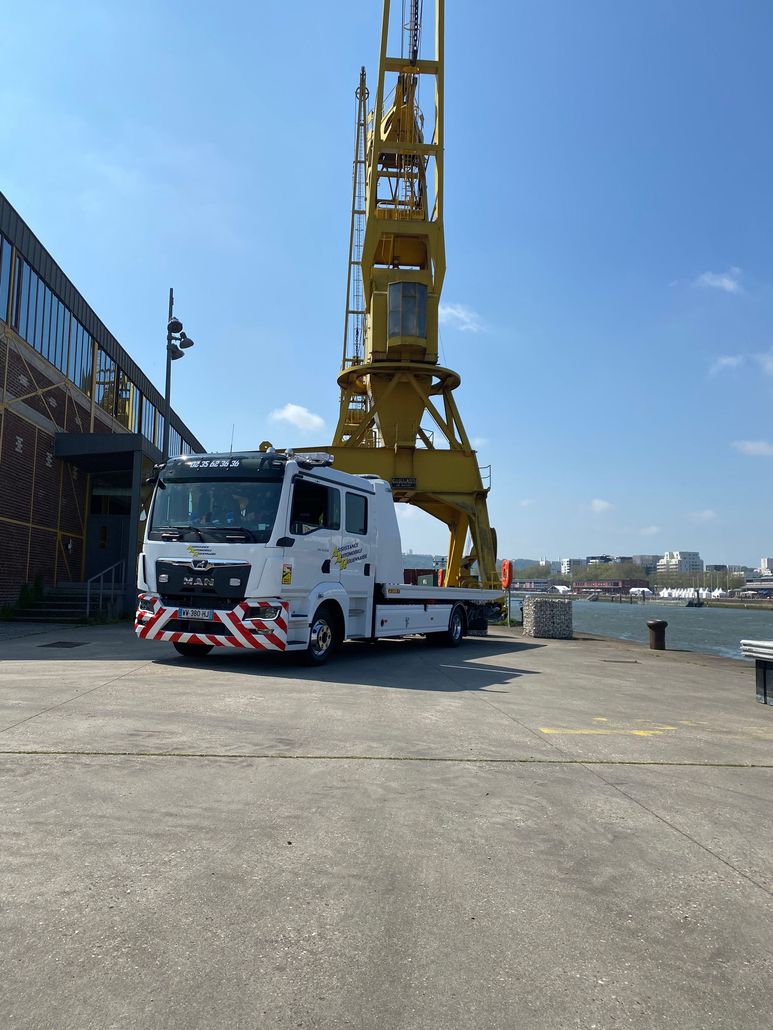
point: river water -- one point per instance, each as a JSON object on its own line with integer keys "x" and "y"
{"x": 711, "y": 630}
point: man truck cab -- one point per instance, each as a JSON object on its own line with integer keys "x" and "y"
{"x": 278, "y": 552}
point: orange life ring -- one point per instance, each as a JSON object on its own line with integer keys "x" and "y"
{"x": 441, "y": 575}
{"x": 507, "y": 573}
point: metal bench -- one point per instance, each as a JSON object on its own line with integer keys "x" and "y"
{"x": 762, "y": 653}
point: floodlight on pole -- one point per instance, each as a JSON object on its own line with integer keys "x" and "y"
{"x": 177, "y": 342}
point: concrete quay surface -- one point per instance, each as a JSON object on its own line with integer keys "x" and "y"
{"x": 514, "y": 834}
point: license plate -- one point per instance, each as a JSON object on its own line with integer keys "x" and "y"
{"x": 196, "y": 613}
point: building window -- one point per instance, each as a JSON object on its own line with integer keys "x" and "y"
{"x": 175, "y": 443}
{"x": 123, "y": 404}
{"x": 44, "y": 321}
{"x": 105, "y": 383}
{"x": 5, "y": 277}
{"x": 63, "y": 338}
{"x": 47, "y": 345}
{"x": 134, "y": 408}
{"x": 80, "y": 355}
{"x": 148, "y": 420}
{"x": 38, "y": 316}
{"x": 35, "y": 322}
{"x": 23, "y": 289}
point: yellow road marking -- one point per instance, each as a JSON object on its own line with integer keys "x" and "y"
{"x": 597, "y": 731}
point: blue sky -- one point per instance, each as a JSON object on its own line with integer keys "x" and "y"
{"x": 609, "y": 297}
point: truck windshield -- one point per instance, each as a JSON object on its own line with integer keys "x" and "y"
{"x": 218, "y": 510}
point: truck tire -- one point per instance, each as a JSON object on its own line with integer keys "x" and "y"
{"x": 457, "y": 624}
{"x": 192, "y": 650}
{"x": 323, "y": 636}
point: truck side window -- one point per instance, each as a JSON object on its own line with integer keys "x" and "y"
{"x": 356, "y": 514}
{"x": 314, "y": 507}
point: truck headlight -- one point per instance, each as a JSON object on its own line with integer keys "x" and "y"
{"x": 146, "y": 605}
{"x": 264, "y": 612}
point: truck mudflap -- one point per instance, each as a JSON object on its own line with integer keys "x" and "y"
{"x": 227, "y": 628}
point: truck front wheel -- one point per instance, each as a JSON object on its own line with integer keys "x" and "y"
{"x": 323, "y": 636}
{"x": 192, "y": 650}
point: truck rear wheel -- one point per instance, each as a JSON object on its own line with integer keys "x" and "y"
{"x": 457, "y": 624}
{"x": 323, "y": 636}
{"x": 192, "y": 650}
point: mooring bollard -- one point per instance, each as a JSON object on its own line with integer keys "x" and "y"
{"x": 657, "y": 628}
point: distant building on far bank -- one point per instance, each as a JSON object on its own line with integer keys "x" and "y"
{"x": 419, "y": 569}
{"x": 535, "y": 586}
{"x": 766, "y": 566}
{"x": 648, "y": 563}
{"x": 609, "y": 586}
{"x": 571, "y": 565}
{"x": 680, "y": 561}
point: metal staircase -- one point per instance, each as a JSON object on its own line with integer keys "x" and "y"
{"x": 96, "y": 600}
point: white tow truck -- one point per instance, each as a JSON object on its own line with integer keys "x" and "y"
{"x": 282, "y": 552}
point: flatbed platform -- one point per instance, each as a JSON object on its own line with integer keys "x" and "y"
{"x": 516, "y": 833}
{"x": 416, "y": 594}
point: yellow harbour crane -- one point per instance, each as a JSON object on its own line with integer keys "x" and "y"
{"x": 398, "y": 416}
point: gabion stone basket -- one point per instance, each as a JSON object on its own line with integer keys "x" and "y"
{"x": 547, "y": 617}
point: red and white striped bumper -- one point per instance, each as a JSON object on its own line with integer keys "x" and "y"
{"x": 237, "y": 630}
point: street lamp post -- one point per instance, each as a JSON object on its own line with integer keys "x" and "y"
{"x": 176, "y": 344}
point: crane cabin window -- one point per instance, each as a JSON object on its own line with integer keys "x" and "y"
{"x": 407, "y": 309}
{"x": 314, "y": 507}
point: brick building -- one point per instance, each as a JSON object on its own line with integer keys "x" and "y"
{"x": 80, "y": 428}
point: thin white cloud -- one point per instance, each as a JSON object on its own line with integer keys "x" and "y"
{"x": 754, "y": 448}
{"x": 526, "y": 502}
{"x": 462, "y": 317}
{"x": 650, "y": 530}
{"x": 765, "y": 361}
{"x": 299, "y": 417}
{"x": 728, "y": 361}
{"x": 478, "y": 441}
{"x": 598, "y": 505}
{"x": 728, "y": 282}
{"x": 707, "y": 515}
